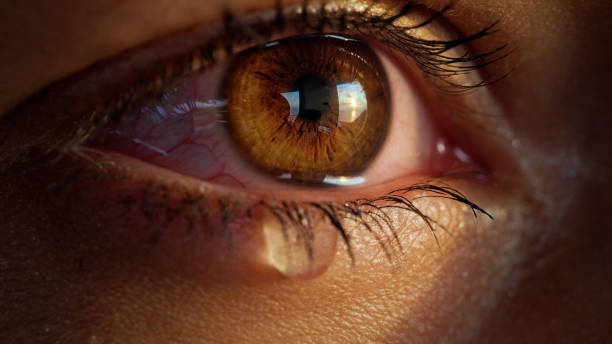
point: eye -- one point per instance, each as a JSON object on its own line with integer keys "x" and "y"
{"x": 311, "y": 110}
{"x": 277, "y": 139}
{"x": 308, "y": 108}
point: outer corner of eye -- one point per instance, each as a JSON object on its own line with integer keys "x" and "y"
{"x": 415, "y": 145}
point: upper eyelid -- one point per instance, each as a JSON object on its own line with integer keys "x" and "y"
{"x": 161, "y": 58}
{"x": 257, "y": 28}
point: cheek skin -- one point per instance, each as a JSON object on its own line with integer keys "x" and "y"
{"x": 91, "y": 284}
{"x": 556, "y": 103}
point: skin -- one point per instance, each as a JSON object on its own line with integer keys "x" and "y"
{"x": 537, "y": 273}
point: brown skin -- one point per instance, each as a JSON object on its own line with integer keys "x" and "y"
{"x": 537, "y": 273}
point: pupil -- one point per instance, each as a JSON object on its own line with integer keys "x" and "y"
{"x": 314, "y": 95}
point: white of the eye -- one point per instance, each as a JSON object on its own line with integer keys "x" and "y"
{"x": 411, "y": 138}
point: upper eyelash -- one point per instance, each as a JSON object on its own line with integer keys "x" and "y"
{"x": 429, "y": 55}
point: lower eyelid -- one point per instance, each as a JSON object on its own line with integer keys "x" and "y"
{"x": 143, "y": 209}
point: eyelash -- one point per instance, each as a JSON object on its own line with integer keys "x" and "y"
{"x": 368, "y": 214}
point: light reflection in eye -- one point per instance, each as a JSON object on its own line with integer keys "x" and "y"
{"x": 352, "y": 102}
{"x": 293, "y": 98}
{"x": 344, "y": 181}
{"x": 333, "y": 180}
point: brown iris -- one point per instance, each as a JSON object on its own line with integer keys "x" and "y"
{"x": 308, "y": 107}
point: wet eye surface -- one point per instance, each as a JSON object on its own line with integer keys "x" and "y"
{"x": 307, "y": 108}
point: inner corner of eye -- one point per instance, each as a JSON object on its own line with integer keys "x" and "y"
{"x": 310, "y": 110}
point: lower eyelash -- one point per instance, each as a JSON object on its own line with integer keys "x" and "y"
{"x": 365, "y": 214}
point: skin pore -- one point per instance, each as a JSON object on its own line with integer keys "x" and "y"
{"x": 538, "y": 272}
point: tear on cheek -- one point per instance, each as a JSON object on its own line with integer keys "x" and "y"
{"x": 301, "y": 248}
